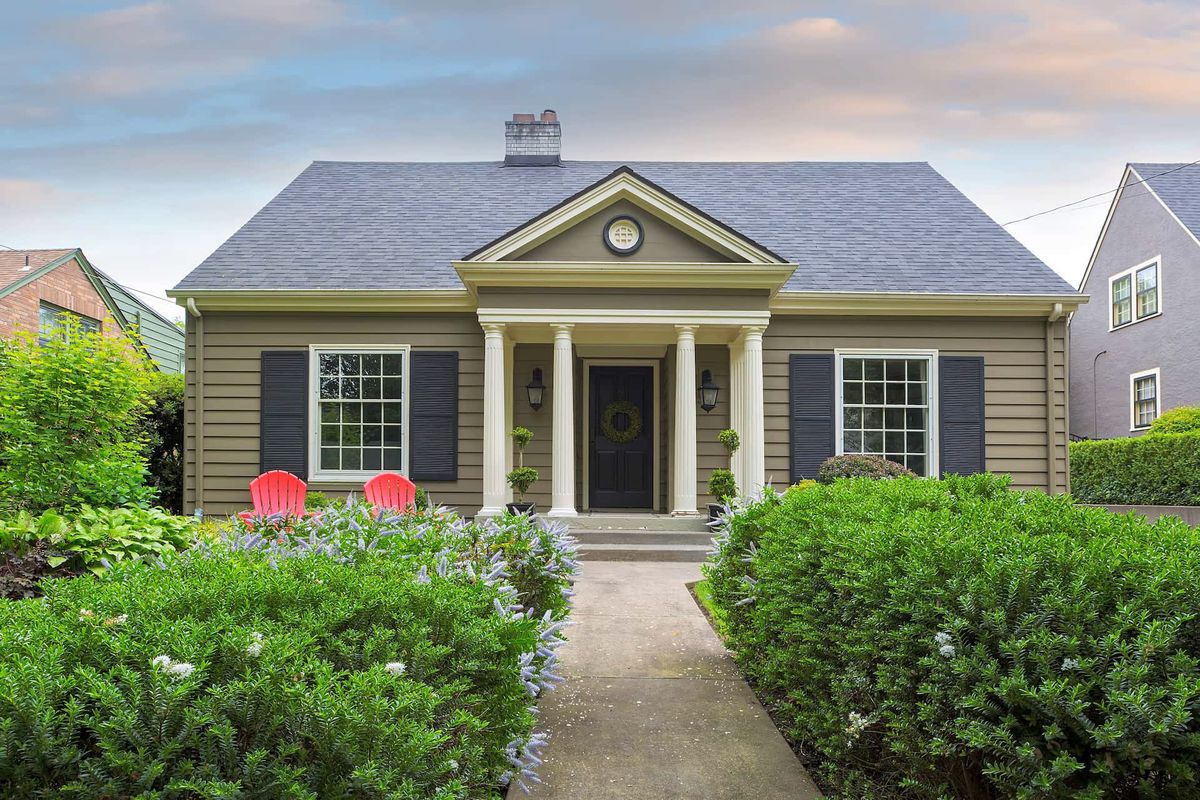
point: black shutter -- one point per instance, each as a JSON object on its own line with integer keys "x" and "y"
{"x": 283, "y": 412}
{"x": 433, "y": 416}
{"x": 811, "y": 404}
{"x": 960, "y": 405}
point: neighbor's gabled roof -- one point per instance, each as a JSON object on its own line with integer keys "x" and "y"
{"x": 19, "y": 266}
{"x": 850, "y": 227}
{"x": 1178, "y": 186}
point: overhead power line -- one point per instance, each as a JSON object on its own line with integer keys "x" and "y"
{"x": 1065, "y": 206}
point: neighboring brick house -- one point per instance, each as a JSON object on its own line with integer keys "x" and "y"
{"x": 37, "y": 287}
{"x": 1133, "y": 349}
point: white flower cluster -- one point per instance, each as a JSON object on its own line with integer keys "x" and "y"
{"x": 944, "y": 647}
{"x": 395, "y": 667}
{"x": 176, "y": 669}
{"x": 1069, "y": 664}
{"x": 254, "y": 649}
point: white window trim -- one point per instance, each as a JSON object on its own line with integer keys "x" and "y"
{"x": 933, "y": 467}
{"x": 1132, "y": 274}
{"x": 1133, "y": 379}
{"x": 315, "y": 474}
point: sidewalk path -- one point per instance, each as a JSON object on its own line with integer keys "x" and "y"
{"x": 653, "y": 707}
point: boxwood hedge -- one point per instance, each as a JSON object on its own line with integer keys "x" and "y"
{"x": 1155, "y": 469}
{"x": 287, "y": 663}
{"x": 935, "y": 639}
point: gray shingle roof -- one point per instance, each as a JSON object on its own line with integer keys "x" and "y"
{"x": 1179, "y": 188}
{"x": 887, "y": 227}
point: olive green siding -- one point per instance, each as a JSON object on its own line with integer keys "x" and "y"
{"x": 1014, "y": 353}
{"x": 233, "y": 343}
{"x": 162, "y": 338}
{"x": 584, "y": 241}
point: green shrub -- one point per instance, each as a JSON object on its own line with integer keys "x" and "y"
{"x": 1184, "y": 419}
{"x": 69, "y": 408}
{"x": 722, "y": 485}
{"x": 520, "y": 479}
{"x": 162, "y": 433}
{"x": 316, "y": 501}
{"x": 233, "y": 675}
{"x": 730, "y": 440}
{"x": 1156, "y": 469}
{"x": 932, "y": 639}
{"x": 859, "y": 466}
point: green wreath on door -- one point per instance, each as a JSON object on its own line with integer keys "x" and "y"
{"x": 632, "y": 431}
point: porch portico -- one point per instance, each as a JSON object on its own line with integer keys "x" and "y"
{"x": 584, "y": 339}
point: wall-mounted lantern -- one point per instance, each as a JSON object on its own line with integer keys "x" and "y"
{"x": 535, "y": 388}
{"x": 708, "y": 391}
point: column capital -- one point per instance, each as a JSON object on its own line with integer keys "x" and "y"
{"x": 562, "y": 330}
{"x": 753, "y": 331}
{"x": 493, "y": 328}
{"x": 686, "y": 331}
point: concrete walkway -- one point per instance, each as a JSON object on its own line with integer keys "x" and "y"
{"x": 653, "y": 706}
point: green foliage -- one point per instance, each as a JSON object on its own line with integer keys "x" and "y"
{"x": 68, "y": 415}
{"x": 232, "y": 676}
{"x": 521, "y": 437}
{"x": 520, "y": 479}
{"x": 162, "y": 432}
{"x": 859, "y": 466}
{"x": 933, "y": 639}
{"x": 1156, "y": 469}
{"x": 421, "y": 499}
{"x": 722, "y": 485}
{"x": 730, "y": 440}
{"x": 315, "y": 501}
{"x": 97, "y": 537}
{"x": 1184, "y": 419}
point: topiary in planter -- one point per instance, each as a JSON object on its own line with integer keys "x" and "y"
{"x": 722, "y": 485}
{"x": 860, "y": 466}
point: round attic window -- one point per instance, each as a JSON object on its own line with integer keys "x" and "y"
{"x": 623, "y": 235}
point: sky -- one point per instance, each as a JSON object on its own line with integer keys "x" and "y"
{"x": 148, "y": 132}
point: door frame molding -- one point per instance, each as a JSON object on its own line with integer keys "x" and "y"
{"x": 585, "y": 413}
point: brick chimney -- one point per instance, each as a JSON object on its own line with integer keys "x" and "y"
{"x": 530, "y": 142}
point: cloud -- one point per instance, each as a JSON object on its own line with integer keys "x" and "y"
{"x": 808, "y": 30}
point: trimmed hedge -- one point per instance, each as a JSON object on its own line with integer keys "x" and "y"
{"x": 1155, "y": 469}
{"x": 282, "y": 664}
{"x": 930, "y": 639}
{"x": 1178, "y": 420}
{"x": 860, "y": 466}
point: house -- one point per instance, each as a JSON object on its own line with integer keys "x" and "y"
{"x": 407, "y": 315}
{"x": 1134, "y": 353}
{"x": 39, "y": 287}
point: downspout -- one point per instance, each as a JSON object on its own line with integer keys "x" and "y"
{"x": 199, "y": 373}
{"x": 1051, "y": 420}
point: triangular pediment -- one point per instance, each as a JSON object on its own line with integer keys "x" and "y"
{"x": 677, "y": 228}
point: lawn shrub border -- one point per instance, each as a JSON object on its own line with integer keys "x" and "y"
{"x": 1155, "y": 469}
{"x": 927, "y": 639}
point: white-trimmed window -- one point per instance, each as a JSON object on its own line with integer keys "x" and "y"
{"x": 51, "y": 319}
{"x": 359, "y": 413}
{"x": 887, "y": 406}
{"x": 1135, "y": 294}
{"x": 1145, "y": 398}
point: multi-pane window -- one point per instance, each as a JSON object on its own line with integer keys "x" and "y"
{"x": 51, "y": 319}
{"x": 1122, "y": 304}
{"x": 885, "y": 409}
{"x": 360, "y": 399}
{"x": 1135, "y": 294}
{"x": 1145, "y": 399}
{"x": 1147, "y": 291}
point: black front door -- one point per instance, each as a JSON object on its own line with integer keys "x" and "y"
{"x": 621, "y": 451}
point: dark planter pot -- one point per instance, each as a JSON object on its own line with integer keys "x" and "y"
{"x": 714, "y": 511}
{"x": 522, "y": 508}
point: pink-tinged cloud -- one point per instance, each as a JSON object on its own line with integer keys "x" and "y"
{"x": 809, "y": 30}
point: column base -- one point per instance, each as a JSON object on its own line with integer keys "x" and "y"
{"x": 562, "y": 512}
{"x": 489, "y": 511}
{"x": 683, "y": 512}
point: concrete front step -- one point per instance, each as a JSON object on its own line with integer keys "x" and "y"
{"x": 642, "y": 537}
{"x": 637, "y": 522}
{"x": 694, "y": 553}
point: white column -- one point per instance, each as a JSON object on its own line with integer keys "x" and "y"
{"x": 754, "y": 437}
{"x": 511, "y": 365}
{"x": 684, "y": 461}
{"x": 495, "y": 437}
{"x": 563, "y": 444}
{"x": 737, "y": 408}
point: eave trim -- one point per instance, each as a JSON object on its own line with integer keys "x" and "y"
{"x": 435, "y": 300}
{"x": 912, "y": 303}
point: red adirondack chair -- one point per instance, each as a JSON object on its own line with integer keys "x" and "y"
{"x": 391, "y": 491}
{"x": 276, "y": 492}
